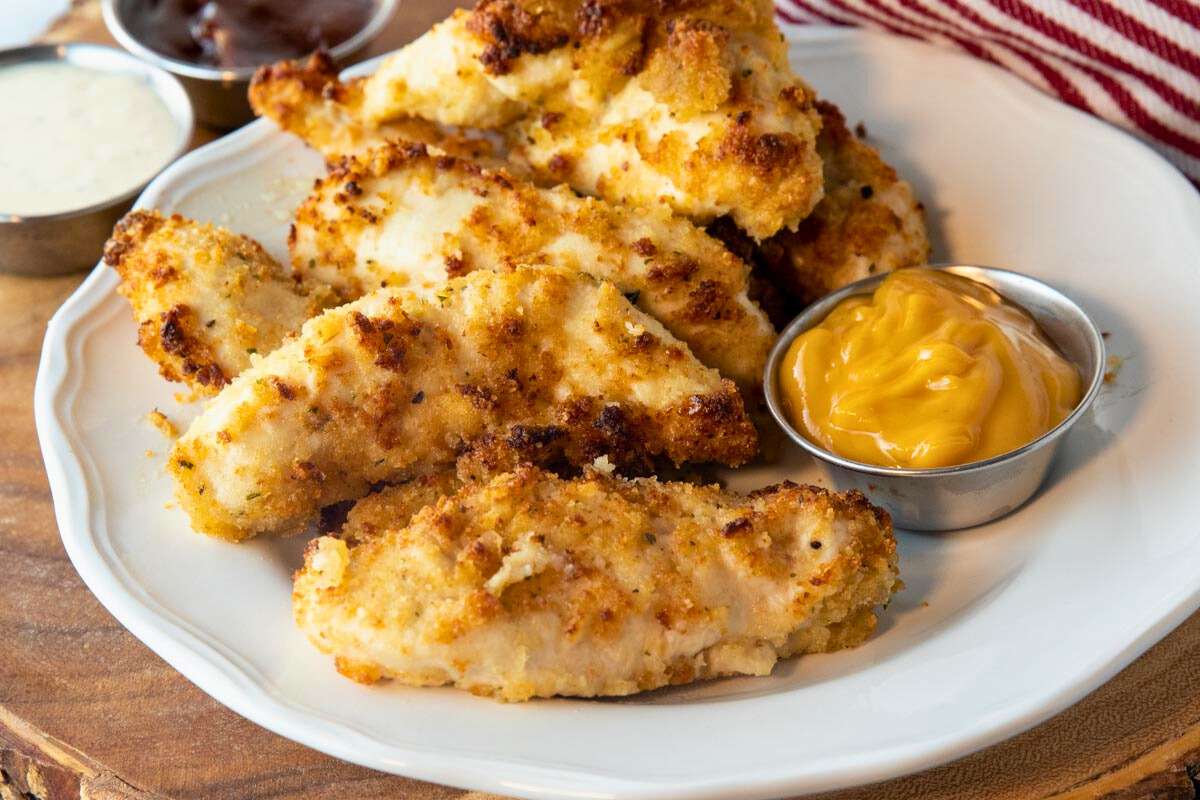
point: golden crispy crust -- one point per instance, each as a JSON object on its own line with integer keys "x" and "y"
{"x": 512, "y": 28}
{"x": 401, "y": 216}
{"x": 691, "y": 103}
{"x": 437, "y": 77}
{"x": 205, "y": 299}
{"x": 529, "y": 364}
{"x": 869, "y": 222}
{"x": 394, "y": 506}
{"x": 702, "y": 110}
{"x": 532, "y": 585}
{"x": 306, "y": 99}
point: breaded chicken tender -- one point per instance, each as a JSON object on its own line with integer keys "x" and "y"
{"x": 636, "y": 101}
{"x": 306, "y": 99}
{"x": 533, "y": 585}
{"x": 525, "y": 365}
{"x": 205, "y": 299}
{"x": 869, "y": 222}
{"x": 400, "y": 216}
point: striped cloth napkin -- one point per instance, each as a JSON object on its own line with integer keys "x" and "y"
{"x": 1135, "y": 63}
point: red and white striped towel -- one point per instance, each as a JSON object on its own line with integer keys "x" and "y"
{"x": 1136, "y": 63}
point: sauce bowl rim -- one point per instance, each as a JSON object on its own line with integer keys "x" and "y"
{"x": 815, "y": 312}
{"x": 384, "y": 9}
{"x": 165, "y": 86}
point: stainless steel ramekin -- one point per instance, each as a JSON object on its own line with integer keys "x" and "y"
{"x": 52, "y": 244}
{"x": 219, "y": 95}
{"x": 949, "y": 498}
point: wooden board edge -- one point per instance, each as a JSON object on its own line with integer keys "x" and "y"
{"x": 35, "y": 765}
{"x": 1167, "y": 771}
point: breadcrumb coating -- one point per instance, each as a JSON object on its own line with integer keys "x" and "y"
{"x": 205, "y": 299}
{"x": 305, "y": 98}
{"x": 402, "y": 216}
{"x": 532, "y": 585}
{"x": 533, "y": 365}
{"x": 689, "y": 103}
{"x": 869, "y": 222}
{"x": 392, "y": 506}
{"x": 437, "y": 77}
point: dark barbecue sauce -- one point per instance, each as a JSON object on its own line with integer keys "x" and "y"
{"x": 245, "y": 33}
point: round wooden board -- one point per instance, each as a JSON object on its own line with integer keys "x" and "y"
{"x": 86, "y": 711}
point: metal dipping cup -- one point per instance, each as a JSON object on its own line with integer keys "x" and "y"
{"x": 71, "y": 240}
{"x": 949, "y": 498}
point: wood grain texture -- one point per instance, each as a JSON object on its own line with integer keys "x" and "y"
{"x": 86, "y": 711}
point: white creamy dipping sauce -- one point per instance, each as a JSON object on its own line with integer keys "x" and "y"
{"x": 72, "y": 137}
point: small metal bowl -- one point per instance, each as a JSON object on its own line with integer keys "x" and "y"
{"x": 67, "y": 241}
{"x": 948, "y": 498}
{"x": 219, "y": 95}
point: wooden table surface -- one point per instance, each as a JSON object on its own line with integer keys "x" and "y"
{"x": 86, "y": 711}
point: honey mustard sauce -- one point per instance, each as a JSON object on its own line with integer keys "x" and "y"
{"x": 932, "y": 370}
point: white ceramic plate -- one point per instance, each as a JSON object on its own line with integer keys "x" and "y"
{"x": 1000, "y": 626}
